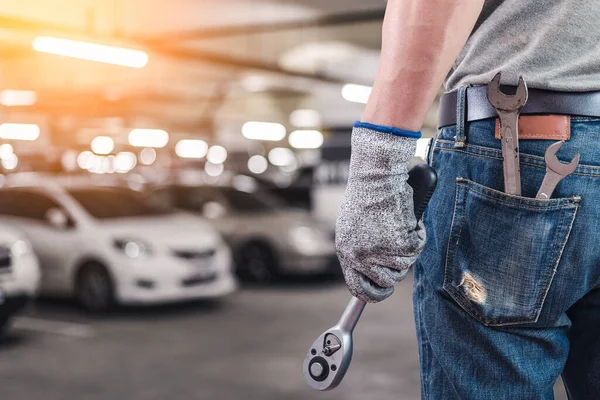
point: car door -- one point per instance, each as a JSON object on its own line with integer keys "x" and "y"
{"x": 55, "y": 244}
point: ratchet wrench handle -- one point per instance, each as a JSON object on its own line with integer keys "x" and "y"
{"x": 423, "y": 180}
{"x": 330, "y": 355}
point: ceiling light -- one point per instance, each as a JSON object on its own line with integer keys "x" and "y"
{"x": 102, "y": 145}
{"x": 305, "y": 118}
{"x": 148, "y": 138}
{"x": 6, "y": 150}
{"x": 213, "y": 170}
{"x": 216, "y": 155}
{"x": 147, "y": 156}
{"x": 124, "y": 162}
{"x": 109, "y": 165}
{"x": 257, "y": 164}
{"x": 68, "y": 160}
{"x": 19, "y": 131}
{"x": 263, "y": 131}
{"x": 85, "y": 159}
{"x": 11, "y": 98}
{"x": 10, "y": 162}
{"x": 95, "y": 164}
{"x": 306, "y": 139}
{"x": 91, "y": 51}
{"x": 356, "y": 93}
{"x": 189, "y": 148}
{"x": 281, "y": 156}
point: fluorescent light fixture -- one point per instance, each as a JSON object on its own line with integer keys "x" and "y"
{"x": 19, "y": 131}
{"x": 305, "y": 118}
{"x": 356, "y": 93}
{"x": 255, "y": 130}
{"x": 91, "y": 51}
{"x": 148, "y": 138}
{"x": 282, "y": 156}
{"x": 13, "y": 98}
{"x": 191, "y": 148}
{"x": 216, "y": 155}
{"x": 257, "y": 164}
{"x": 102, "y": 145}
{"x": 306, "y": 139}
{"x": 147, "y": 156}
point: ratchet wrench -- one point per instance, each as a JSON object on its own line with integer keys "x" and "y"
{"x": 329, "y": 356}
{"x": 555, "y": 171}
{"x": 508, "y": 109}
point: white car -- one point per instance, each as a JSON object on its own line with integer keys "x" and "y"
{"x": 268, "y": 239}
{"x": 107, "y": 245}
{"x": 19, "y": 274}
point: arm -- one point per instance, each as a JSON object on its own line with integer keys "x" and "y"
{"x": 421, "y": 40}
{"x": 376, "y": 234}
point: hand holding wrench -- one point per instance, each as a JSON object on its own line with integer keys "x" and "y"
{"x": 508, "y": 109}
{"x": 329, "y": 356}
{"x": 555, "y": 171}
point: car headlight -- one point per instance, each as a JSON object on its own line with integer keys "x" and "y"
{"x": 306, "y": 238}
{"x": 133, "y": 248}
{"x": 20, "y": 248}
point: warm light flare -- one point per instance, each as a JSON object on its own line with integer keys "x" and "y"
{"x": 356, "y": 93}
{"x": 306, "y": 139}
{"x": 91, "y": 51}
{"x": 19, "y": 131}
{"x": 14, "y": 98}
{"x": 148, "y": 138}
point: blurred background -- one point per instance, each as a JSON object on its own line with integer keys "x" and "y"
{"x": 170, "y": 177}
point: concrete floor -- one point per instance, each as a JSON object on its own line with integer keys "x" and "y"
{"x": 250, "y": 346}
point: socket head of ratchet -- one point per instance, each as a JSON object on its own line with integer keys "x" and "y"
{"x": 505, "y": 102}
{"x": 328, "y": 359}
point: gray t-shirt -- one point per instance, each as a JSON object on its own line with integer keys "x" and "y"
{"x": 553, "y": 44}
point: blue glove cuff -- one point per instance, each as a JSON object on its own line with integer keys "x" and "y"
{"x": 388, "y": 129}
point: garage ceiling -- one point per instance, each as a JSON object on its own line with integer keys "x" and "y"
{"x": 213, "y": 63}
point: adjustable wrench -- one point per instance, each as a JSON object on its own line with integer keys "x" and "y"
{"x": 555, "y": 171}
{"x": 329, "y": 356}
{"x": 508, "y": 109}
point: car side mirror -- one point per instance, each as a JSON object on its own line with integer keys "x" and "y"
{"x": 57, "y": 218}
{"x": 212, "y": 210}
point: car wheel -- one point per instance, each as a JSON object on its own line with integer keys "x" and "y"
{"x": 94, "y": 289}
{"x": 258, "y": 263}
{"x": 4, "y": 325}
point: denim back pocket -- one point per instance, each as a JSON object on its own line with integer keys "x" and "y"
{"x": 503, "y": 252}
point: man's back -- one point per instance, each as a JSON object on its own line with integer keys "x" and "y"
{"x": 554, "y": 44}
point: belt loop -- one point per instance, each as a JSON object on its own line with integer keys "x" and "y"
{"x": 461, "y": 116}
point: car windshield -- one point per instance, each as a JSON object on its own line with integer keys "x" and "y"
{"x": 194, "y": 199}
{"x": 243, "y": 201}
{"x": 108, "y": 203}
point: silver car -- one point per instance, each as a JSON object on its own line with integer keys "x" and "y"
{"x": 268, "y": 239}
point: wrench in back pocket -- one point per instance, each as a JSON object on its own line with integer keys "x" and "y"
{"x": 555, "y": 171}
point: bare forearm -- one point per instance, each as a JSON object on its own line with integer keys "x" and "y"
{"x": 421, "y": 40}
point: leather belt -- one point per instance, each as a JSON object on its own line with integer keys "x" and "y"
{"x": 539, "y": 102}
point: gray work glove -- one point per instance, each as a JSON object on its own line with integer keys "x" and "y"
{"x": 376, "y": 231}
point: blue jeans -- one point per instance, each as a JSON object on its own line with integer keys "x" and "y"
{"x": 504, "y": 294}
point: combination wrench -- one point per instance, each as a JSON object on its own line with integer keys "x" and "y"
{"x": 555, "y": 171}
{"x": 329, "y": 356}
{"x": 508, "y": 109}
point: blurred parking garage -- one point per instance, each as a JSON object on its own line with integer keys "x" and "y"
{"x": 194, "y": 153}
